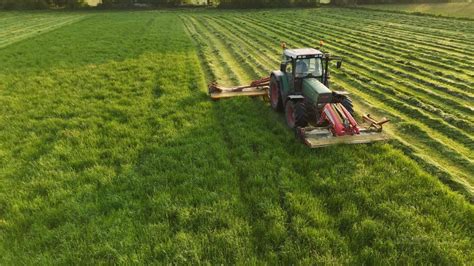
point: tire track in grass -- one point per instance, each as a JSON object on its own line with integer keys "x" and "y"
{"x": 222, "y": 129}
{"x": 19, "y": 27}
{"x": 214, "y": 213}
{"x": 268, "y": 220}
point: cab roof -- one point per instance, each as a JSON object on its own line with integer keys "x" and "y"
{"x": 294, "y": 53}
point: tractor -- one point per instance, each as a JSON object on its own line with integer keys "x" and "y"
{"x": 300, "y": 89}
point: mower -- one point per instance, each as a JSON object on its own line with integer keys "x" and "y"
{"x": 300, "y": 89}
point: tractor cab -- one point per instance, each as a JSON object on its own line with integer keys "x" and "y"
{"x": 299, "y": 64}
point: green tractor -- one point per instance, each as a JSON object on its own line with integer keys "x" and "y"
{"x": 300, "y": 88}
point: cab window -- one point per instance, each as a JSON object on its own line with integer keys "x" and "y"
{"x": 308, "y": 66}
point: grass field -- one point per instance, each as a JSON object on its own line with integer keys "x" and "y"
{"x": 417, "y": 72}
{"x": 459, "y": 10}
{"x": 111, "y": 151}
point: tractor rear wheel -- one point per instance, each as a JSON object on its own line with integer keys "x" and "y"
{"x": 275, "y": 95}
{"x": 295, "y": 113}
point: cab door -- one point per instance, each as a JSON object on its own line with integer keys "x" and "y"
{"x": 325, "y": 68}
{"x": 290, "y": 73}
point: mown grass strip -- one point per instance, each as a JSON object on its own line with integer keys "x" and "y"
{"x": 291, "y": 202}
{"x": 258, "y": 34}
{"x": 9, "y": 35}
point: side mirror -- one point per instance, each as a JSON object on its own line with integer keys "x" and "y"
{"x": 339, "y": 64}
{"x": 282, "y": 67}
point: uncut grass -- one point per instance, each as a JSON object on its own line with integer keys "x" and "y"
{"x": 120, "y": 157}
{"x": 100, "y": 165}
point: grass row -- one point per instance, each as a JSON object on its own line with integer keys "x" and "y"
{"x": 301, "y": 36}
{"x": 293, "y": 204}
{"x": 26, "y": 26}
{"x": 411, "y": 110}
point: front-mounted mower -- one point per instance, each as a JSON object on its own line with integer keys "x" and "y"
{"x": 300, "y": 89}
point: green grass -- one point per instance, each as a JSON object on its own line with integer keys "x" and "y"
{"x": 111, "y": 152}
{"x": 459, "y": 10}
{"x": 17, "y": 26}
{"x": 389, "y": 68}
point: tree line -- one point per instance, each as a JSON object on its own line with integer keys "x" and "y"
{"x": 72, "y": 4}
{"x": 40, "y": 4}
{"x": 267, "y": 3}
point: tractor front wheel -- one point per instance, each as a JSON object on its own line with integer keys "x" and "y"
{"x": 301, "y": 115}
{"x": 275, "y": 95}
{"x": 295, "y": 113}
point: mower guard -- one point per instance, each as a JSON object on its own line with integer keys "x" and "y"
{"x": 316, "y": 137}
{"x": 256, "y": 88}
{"x": 322, "y": 137}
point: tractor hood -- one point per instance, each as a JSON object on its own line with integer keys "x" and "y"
{"x": 315, "y": 91}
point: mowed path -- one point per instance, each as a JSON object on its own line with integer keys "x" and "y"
{"x": 111, "y": 152}
{"x": 416, "y": 70}
{"x": 17, "y": 26}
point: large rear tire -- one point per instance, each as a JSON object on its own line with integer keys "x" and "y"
{"x": 295, "y": 113}
{"x": 301, "y": 114}
{"x": 274, "y": 93}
